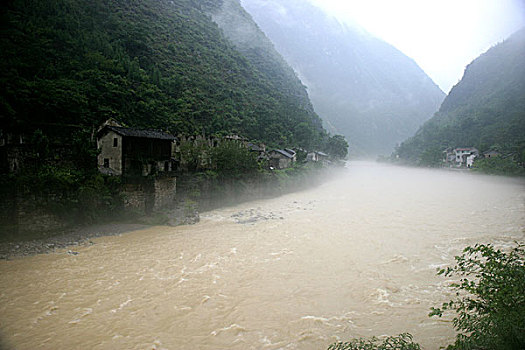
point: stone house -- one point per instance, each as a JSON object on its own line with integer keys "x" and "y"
{"x": 316, "y": 157}
{"x": 281, "y": 159}
{"x": 323, "y": 157}
{"x": 259, "y": 149}
{"x": 132, "y": 152}
{"x": 293, "y": 153}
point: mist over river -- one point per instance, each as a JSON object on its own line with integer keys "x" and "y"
{"x": 355, "y": 256}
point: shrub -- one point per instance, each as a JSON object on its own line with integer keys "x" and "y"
{"x": 400, "y": 342}
{"x": 498, "y": 166}
{"x": 490, "y": 298}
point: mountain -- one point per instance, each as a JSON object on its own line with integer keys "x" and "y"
{"x": 71, "y": 64}
{"x": 361, "y": 86}
{"x": 486, "y": 109}
{"x": 238, "y": 26}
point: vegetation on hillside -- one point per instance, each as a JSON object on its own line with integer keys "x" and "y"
{"x": 66, "y": 66}
{"x": 486, "y": 110}
{"x": 156, "y": 64}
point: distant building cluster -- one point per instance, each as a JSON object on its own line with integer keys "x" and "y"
{"x": 465, "y": 157}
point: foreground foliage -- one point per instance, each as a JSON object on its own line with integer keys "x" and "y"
{"x": 400, "y": 342}
{"x": 490, "y": 302}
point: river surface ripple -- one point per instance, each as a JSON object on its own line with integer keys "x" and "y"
{"x": 356, "y": 256}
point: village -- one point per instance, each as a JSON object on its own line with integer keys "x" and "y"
{"x": 130, "y": 151}
{"x": 156, "y": 170}
{"x": 150, "y": 161}
{"x": 465, "y": 157}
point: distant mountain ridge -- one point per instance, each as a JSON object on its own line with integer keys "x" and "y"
{"x": 486, "y": 109}
{"x": 361, "y": 86}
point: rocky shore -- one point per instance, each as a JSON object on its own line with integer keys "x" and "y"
{"x": 185, "y": 213}
{"x": 70, "y": 238}
{"x": 67, "y": 239}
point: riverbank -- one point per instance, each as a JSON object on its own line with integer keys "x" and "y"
{"x": 185, "y": 212}
{"x": 71, "y": 238}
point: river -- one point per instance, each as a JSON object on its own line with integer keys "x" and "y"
{"x": 353, "y": 257}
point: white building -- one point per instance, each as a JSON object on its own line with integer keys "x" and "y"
{"x": 465, "y": 156}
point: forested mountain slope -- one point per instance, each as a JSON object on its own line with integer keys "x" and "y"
{"x": 486, "y": 109}
{"x": 149, "y": 63}
{"x": 361, "y": 86}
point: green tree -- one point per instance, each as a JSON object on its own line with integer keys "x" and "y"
{"x": 400, "y": 342}
{"x": 232, "y": 159}
{"x": 431, "y": 157}
{"x": 498, "y": 166}
{"x": 490, "y": 302}
{"x": 337, "y": 147}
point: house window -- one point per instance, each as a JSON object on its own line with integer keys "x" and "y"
{"x": 106, "y": 163}
{"x": 115, "y": 142}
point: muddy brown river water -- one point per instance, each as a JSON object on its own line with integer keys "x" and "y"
{"x": 356, "y": 256}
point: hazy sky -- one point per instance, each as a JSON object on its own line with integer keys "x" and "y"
{"x": 442, "y": 36}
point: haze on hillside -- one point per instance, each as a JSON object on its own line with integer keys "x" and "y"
{"x": 361, "y": 86}
{"x": 441, "y": 36}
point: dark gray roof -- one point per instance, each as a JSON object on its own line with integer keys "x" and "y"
{"x": 254, "y": 147}
{"x": 283, "y": 152}
{"x": 143, "y": 133}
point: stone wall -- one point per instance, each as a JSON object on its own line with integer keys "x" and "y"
{"x": 146, "y": 195}
{"x": 136, "y": 196}
{"x": 38, "y": 220}
{"x": 27, "y": 215}
{"x": 165, "y": 190}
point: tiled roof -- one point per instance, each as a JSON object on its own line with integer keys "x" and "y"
{"x": 254, "y": 147}
{"x": 142, "y": 133}
{"x": 283, "y": 152}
